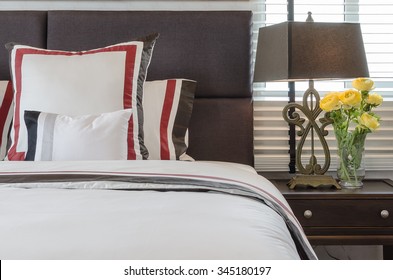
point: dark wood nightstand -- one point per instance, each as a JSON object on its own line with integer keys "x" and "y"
{"x": 345, "y": 217}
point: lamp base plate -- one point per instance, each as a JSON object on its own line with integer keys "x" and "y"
{"x": 313, "y": 181}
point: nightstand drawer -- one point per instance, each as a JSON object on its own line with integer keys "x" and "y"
{"x": 343, "y": 213}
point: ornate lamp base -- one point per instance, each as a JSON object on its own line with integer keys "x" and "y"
{"x": 313, "y": 181}
{"x": 312, "y": 173}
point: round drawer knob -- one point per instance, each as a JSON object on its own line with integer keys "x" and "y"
{"x": 308, "y": 214}
{"x": 384, "y": 214}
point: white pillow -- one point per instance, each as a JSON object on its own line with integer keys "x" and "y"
{"x": 88, "y": 137}
{"x": 79, "y": 83}
{"x": 6, "y": 96}
{"x": 167, "y": 108}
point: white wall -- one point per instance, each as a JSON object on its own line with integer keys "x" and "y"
{"x": 126, "y": 5}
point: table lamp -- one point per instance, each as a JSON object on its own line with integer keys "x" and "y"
{"x": 307, "y": 51}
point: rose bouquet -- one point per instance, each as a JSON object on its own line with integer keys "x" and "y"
{"x": 352, "y": 117}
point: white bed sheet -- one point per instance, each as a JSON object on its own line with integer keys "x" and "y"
{"x": 91, "y": 220}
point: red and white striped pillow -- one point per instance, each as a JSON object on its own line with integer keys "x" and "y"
{"x": 6, "y": 96}
{"x": 80, "y": 83}
{"x": 167, "y": 108}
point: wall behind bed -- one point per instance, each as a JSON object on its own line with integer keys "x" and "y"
{"x": 127, "y": 5}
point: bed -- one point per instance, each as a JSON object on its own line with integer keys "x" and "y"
{"x": 129, "y": 135}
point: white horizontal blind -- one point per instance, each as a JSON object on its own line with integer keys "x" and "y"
{"x": 376, "y": 18}
{"x": 271, "y": 131}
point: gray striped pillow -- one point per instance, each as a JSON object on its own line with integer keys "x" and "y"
{"x": 87, "y": 137}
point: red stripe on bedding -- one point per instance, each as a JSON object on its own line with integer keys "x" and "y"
{"x": 128, "y": 74}
{"x": 165, "y": 116}
{"x": 13, "y": 154}
{"x": 131, "y": 155}
{"x": 128, "y": 92}
{"x": 5, "y": 107}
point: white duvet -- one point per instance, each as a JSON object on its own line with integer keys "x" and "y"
{"x": 174, "y": 215}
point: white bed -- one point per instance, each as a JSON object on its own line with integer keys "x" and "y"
{"x": 216, "y": 211}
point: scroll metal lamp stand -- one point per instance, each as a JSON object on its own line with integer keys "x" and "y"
{"x": 299, "y": 51}
{"x": 312, "y": 174}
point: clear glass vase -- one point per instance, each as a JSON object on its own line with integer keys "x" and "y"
{"x": 350, "y": 168}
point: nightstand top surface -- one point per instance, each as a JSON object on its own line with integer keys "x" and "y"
{"x": 378, "y": 188}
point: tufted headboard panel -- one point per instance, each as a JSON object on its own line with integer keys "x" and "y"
{"x": 210, "y": 47}
{"x": 24, "y": 27}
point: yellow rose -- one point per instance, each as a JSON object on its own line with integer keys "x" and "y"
{"x": 330, "y": 102}
{"x": 368, "y": 121}
{"x": 351, "y": 98}
{"x": 363, "y": 84}
{"x": 374, "y": 99}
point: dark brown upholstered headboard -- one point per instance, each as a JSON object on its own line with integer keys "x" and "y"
{"x": 213, "y": 48}
{"x": 25, "y": 27}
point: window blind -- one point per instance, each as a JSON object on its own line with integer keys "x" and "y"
{"x": 271, "y": 131}
{"x": 271, "y": 148}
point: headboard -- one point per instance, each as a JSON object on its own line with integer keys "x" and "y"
{"x": 211, "y": 47}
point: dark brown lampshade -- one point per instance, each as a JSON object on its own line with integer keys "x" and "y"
{"x": 292, "y": 51}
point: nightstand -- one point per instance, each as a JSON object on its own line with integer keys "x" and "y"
{"x": 345, "y": 217}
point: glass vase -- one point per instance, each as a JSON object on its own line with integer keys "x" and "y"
{"x": 350, "y": 168}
